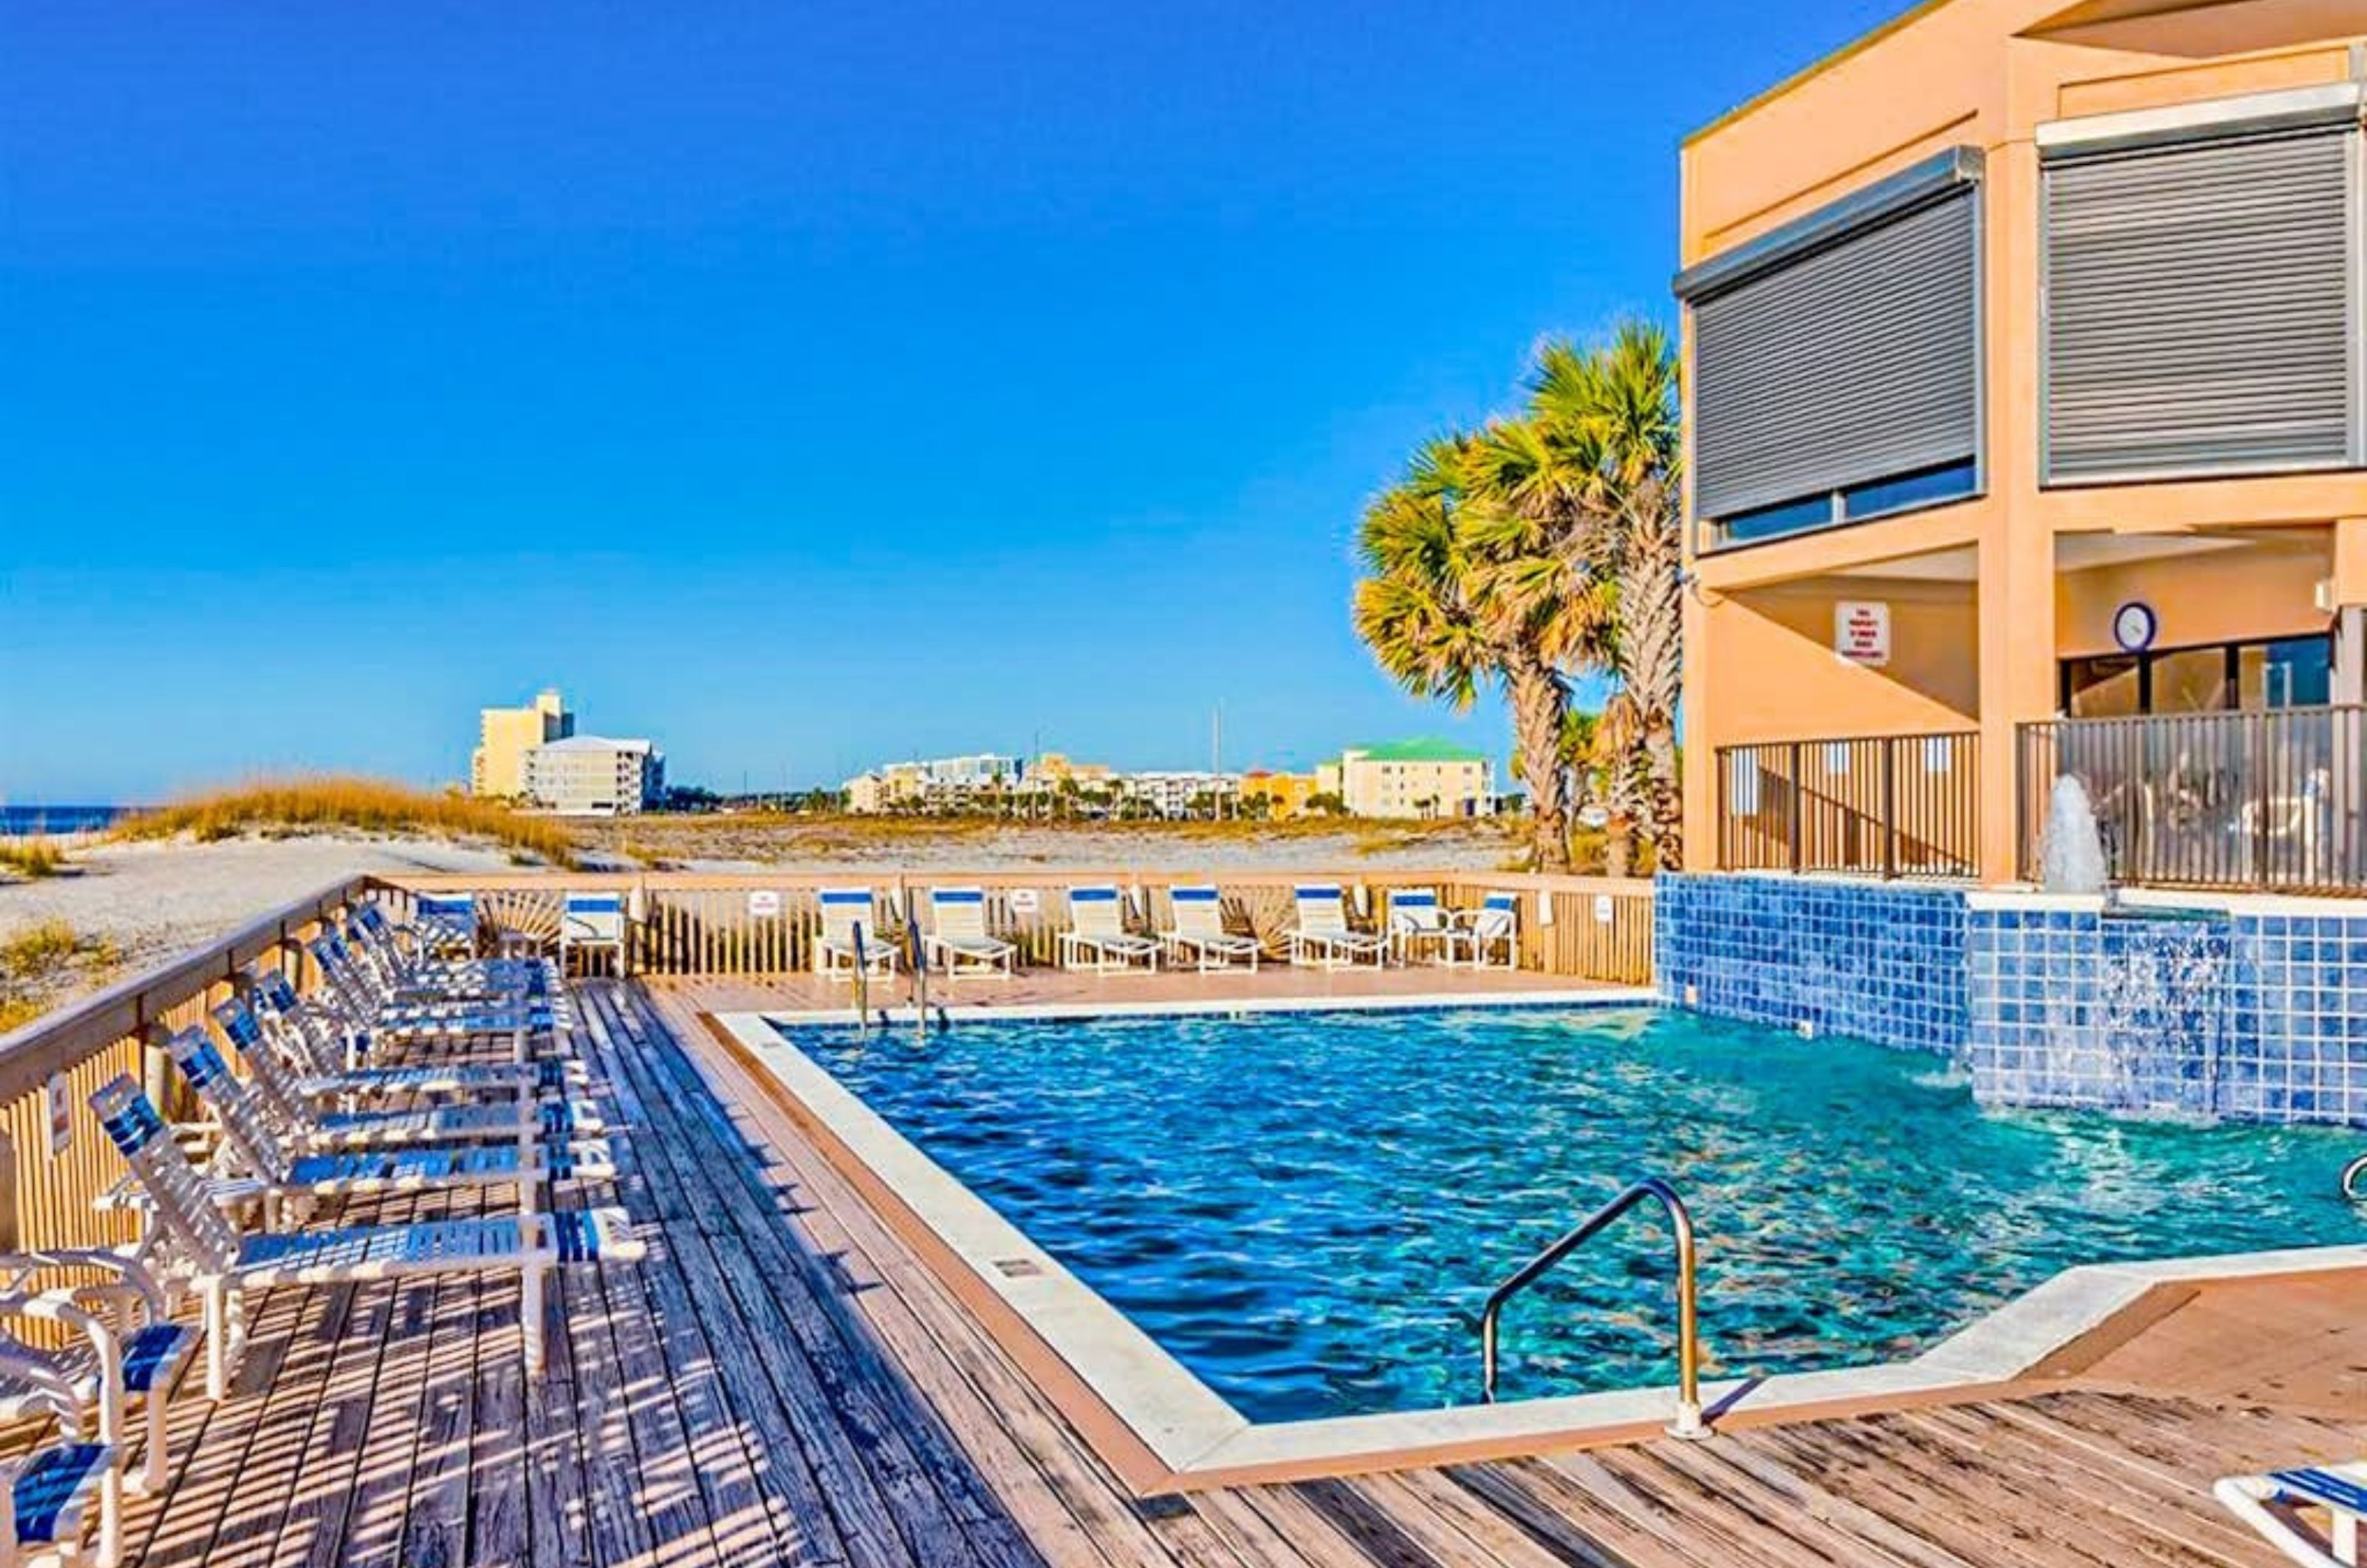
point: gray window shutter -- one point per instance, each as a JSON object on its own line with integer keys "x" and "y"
{"x": 2197, "y": 309}
{"x": 1856, "y": 359}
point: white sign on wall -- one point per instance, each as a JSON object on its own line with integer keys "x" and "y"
{"x": 1603, "y": 908}
{"x": 1025, "y": 901}
{"x": 764, "y": 904}
{"x": 1862, "y": 632}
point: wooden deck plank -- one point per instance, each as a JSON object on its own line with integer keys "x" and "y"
{"x": 835, "y": 1428}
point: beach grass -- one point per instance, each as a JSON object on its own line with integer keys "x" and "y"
{"x": 40, "y": 961}
{"x": 361, "y": 804}
{"x": 32, "y": 860}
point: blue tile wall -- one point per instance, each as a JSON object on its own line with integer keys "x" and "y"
{"x": 1884, "y": 962}
{"x": 2245, "y": 1015}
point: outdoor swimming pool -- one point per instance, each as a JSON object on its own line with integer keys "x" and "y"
{"x": 1308, "y": 1210}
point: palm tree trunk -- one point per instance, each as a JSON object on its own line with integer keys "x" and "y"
{"x": 1539, "y": 699}
{"x": 1651, "y": 599}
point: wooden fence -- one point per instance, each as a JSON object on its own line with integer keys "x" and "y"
{"x": 760, "y": 925}
{"x": 57, "y": 1160}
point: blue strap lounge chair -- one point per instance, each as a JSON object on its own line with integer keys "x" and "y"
{"x": 850, "y": 944}
{"x": 1323, "y": 937}
{"x": 1418, "y": 923}
{"x": 1197, "y": 930}
{"x": 266, "y": 1171}
{"x": 958, "y": 942}
{"x": 1097, "y": 939}
{"x": 190, "y": 1238}
{"x": 119, "y": 1344}
{"x": 318, "y": 1072}
{"x": 2281, "y": 1504}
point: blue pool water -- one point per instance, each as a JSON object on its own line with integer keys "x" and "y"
{"x": 1308, "y": 1210}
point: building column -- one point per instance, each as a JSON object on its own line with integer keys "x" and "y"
{"x": 1700, "y": 741}
{"x": 2351, "y": 610}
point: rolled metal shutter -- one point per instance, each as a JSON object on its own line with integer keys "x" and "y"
{"x": 1858, "y": 360}
{"x": 2198, "y": 306}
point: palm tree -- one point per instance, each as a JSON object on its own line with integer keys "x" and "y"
{"x": 1461, "y": 589}
{"x": 1611, "y": 413}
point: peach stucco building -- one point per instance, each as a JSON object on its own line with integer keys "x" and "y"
{"x": 2026, "y": 361}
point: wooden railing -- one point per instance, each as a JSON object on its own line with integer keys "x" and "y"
{"x": 761, "y": 924}
{"x": 57, "y": 1160}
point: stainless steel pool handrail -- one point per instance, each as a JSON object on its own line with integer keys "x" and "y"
{"x": 1689, "y": 1422}
{"x": 2350, "y": 1174}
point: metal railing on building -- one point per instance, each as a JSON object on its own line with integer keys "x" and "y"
{"x": 1890, "y": 806}
{"x": 2265, "y": 800}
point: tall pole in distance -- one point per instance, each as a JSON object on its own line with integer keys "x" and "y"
{"x": 1217, "y": 761}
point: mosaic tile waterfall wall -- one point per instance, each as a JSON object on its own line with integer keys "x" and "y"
{"x": 2257, "y": 1013}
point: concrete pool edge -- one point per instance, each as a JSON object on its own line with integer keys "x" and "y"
{"x": 962, "y": 1006}
{"x": 1163, "y": 1430}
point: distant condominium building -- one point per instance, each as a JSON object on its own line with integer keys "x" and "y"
{"x": 1410, "y": 778}
{"x": 1181, "y": 793}
{"x": 937, "y": 783}
{"x": 1284, "y": 795}
{"x": 592, "y": 775}
{"x": 504, "y": 735}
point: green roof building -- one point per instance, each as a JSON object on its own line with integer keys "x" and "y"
{"x": 1424, "y": 777}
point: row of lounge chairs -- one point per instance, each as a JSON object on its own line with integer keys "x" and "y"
{"x": 1099, "y": 939}
{"x": 413, "y": 1067}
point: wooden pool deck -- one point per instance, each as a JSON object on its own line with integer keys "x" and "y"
{"x": 783, "y": 1380}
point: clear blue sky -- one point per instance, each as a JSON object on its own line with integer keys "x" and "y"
{"x": 799, "y": 385}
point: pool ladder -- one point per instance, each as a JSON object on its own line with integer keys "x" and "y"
{"x": 1689, "y": 1422}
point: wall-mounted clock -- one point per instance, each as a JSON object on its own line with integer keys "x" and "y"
{"x": 2133, "y": 626}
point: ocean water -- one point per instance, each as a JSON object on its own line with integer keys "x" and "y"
{"x": 1309, "y": 1210}
{"x": 19, "y": 821}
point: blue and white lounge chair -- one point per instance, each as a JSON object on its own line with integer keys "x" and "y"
{"x": 1198, "y": 931}
{"x": 1418, "y": 923}
{"x": 444, "y": 925}
{"x": 1097, "y": 939}
{"x": 850, "y": 944}
{"x": 592, "y": 922}
{"x": 313, "y": 1069}
{"x": 403, "y": 970}
{"x": 136, "y": 1344}
{"x": 378, "y": 1025}
{"x": 1489, "y": 936}
{"x": 265, "y": 1171}
{"x": 2280, "y": 1503}
{"x": 45, "y": 1500}
{"x": 1323, "y": 937}
{"x": 191, "y": 1239}
{"x": 958, "y": 942}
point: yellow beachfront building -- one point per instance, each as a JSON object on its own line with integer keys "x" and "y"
{"x": 2026, "y": 366}
{"x": 497, "y": 768}
{"x": 1410, "y": 778}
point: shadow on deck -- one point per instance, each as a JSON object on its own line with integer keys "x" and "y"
{"x": 783, "y": 1382}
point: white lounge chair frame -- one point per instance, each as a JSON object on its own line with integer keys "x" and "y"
{"x": 592, "y": 922}
{"x": 50, "y": 1386}
{"x": 1324, "y": 939}
{"x": 2272, "y": 1503}
{"x": 192, "y": 1238}
{"x": 1478, "y": 935}
{"x": 850, "y": 944}
{"x": 1197, "y": 913}
{"x": 1419, "y": 923}
{"x": 1097, "y": 940}
{"x": 958, "y": 942}
{"x": 143, "y": 1350}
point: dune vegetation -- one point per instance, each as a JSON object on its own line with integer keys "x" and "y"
{"x": 357, "y": 805}
{"x": 31, "y": 860}
{"x": 37, "y": 963}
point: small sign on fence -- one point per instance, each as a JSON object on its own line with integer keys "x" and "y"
{"x": 60, "y": 1098}
{"x": 1545, "y": 908}
{"x": 1025, "y": 900}
{"x": 764, "y": 904}
{"x": 1603, "y": 908}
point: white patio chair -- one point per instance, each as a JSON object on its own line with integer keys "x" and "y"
{"x": 143, "y": 1350}
{"x": 45, "y": 1500}
{"x": 592, "y": 922}
{"x": 1418, "y": 923}
{"x": 1487, "y": 937}
{"x": 1097, "y": 940}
